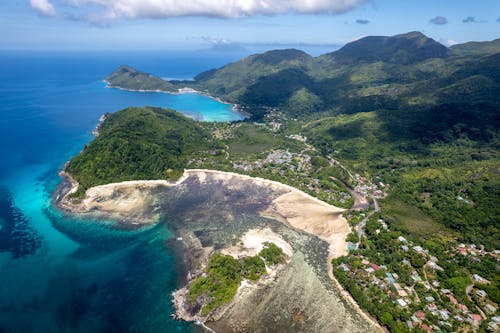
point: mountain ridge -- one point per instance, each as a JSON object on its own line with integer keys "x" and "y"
{"x": 400, "y": 70}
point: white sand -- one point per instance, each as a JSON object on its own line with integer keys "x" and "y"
{"x": 296, "y": 208}
{"x": 253, "y": 242}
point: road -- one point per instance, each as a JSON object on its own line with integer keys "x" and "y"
{"x": 361, "y": 225}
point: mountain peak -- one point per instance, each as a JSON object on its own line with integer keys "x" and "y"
{"x": 276, "y": 57}
{"x": 411, "y": 35}
{"x": 402, "y": 49}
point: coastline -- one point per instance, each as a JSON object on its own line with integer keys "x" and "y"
{"x": 181, "y": 91}
{"x": 297, "y": 202}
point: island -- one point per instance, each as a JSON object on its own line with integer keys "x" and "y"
{"x": 371, "y": 171}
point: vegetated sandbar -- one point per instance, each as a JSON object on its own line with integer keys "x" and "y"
{"x": 251, "y": 243}
{"x": 292, "y": 207}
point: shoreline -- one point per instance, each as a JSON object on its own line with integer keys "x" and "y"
{"x": 201, "y": 174}
{"x": 182, "y": 91}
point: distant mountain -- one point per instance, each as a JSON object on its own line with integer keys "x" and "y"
{"x": 226, "y": 48}
{"x": 476, "y": 48}
{"x": 126, "y": 77}
{"x": 400, "y": 49}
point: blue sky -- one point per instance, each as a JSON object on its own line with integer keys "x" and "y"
{"x": 175, "y": 24}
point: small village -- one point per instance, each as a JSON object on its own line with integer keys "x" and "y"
{"x": 412, "y": 283}
{"x": 298, "y": 171}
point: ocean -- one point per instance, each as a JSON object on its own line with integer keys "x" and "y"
{"x": 68, "y": 275}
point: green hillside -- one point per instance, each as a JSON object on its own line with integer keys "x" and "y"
{"x": 479, "y": 48}
{"x": 139, "y": 143}
{"x": 126, "y": 77}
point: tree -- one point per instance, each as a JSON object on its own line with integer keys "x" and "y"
{"x": 386, "y": 318}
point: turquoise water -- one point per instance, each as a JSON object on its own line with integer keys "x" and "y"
{"x": 67, "y": 275}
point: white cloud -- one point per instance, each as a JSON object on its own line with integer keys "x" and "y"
{"x": 43, "y": 7}
{"x": 448, "y": 42}
{"x": 215, "y": 40}
{"x": 439, "y": 20}
{"x": 131, "y": 9}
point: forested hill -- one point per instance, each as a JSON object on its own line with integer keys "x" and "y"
{"x": 126, "y": 77}
{"x": 368, "y": 74}
{"x": 139, "y": 143}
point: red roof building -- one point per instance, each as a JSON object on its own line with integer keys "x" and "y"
{"x": 420, "y": 315}
{"x": 427, "y": 328}
{"x": 476, "y": 317}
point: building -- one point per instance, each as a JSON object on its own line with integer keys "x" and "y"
{"x": 479, "y": 279}
{"x": 444, "y": 314}
{"x": 402, "y": 293}
{"x": 476, "y": 318}
{"x": 401, "y": 302}
{"x": 490, "y": 308}
{"x": 430, "y": 299}
{"x": 419, "y": 249}
{"x": 419, "y": 315}
{"x": 427, "y": 328}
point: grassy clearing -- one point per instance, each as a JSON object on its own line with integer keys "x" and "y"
{"x": 251, "y": 139}
{"x": 416, "y": 221}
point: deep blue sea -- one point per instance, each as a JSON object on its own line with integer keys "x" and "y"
{"x": 60, "y": 275}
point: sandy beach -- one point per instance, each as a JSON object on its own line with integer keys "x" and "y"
{"x": 253, "y": 242}
{"x": 295, "y": 208}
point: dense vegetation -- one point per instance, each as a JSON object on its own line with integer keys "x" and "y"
{"x": 272, "y": 254}
{"x": 224, "y": 275}
{"x": 450, "y": 175}
{"x": 139, "y": 143}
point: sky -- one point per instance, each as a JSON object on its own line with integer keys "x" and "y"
{"x": 125, "y": 25}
